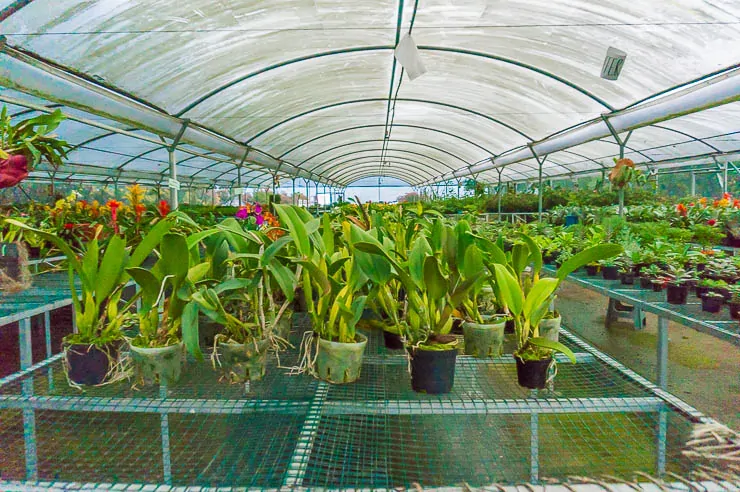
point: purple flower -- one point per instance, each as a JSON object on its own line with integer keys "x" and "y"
{"x": 260, "y": 220}
{"x": 242, "y": 213}
{"x": 258, "y": 209}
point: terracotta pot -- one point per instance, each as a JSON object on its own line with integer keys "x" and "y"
{"x": 13, "y": 170}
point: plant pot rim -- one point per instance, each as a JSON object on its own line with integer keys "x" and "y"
{"x": 362, "y": 340}
{"x": 518, "y": 357}
{"x": 485, "y": 326}
{"x": 153, "y": 350}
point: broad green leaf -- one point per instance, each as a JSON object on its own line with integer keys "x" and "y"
{"x": 519, "y": 258}
{"x": 535, "y": 255}
{"x": 317, "y": 276}
{"x": 175, "y": 254}
{"x": 594, "y": 253}
{"x": 111, "y": 268}
{"x": 90, "y": 261}
{"x": 289, "y": 217}
{"x": 189, "y": 326}
{"x": 198, "y": 272}
{"x": 539, "y": 295}
{"x": 327, "y": 234}
{"x": 147, "y": 282}
{"x": 556, "y": 346}
{"x": 285, "y": 277}
{"x": 419, "y": 252}
{"x": 434, "y": 280}
{"x": 273, "y": 249}
{"x": 472, "y": 262}
{"x": 511, "y": 292}
{"x": 149, "y": 242}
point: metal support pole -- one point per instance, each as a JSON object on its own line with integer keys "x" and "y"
{"x": 693, "y": 183}
{"x": 308, "y": 193}
{"x": 458, "y": 188}
{"x": 724, "y": 179}
{"x": 293, "y": 195}
{"x": 213, "y": 196}
{"x": 534, "y": 448}
{"x": 173, "y": 183}
{"x": 661, "y": 438}
{"x": 239, "y": 184}
{"x": 499, "y": 191}
{"x": 165, "y": 429}
{"x": 29, "y": 415}
{"x": 540, "y": 162}
{"x": 316, "y": 185}
{"x": 662, "y": 352}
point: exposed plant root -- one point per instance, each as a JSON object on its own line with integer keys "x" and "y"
{"x": 11, "y": 284}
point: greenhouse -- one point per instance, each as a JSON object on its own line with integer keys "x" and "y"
{"x": 386, "y": 245}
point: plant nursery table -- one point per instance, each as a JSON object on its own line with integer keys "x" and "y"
{"x": 291, "y": 431}
{"x": 719, "y": 325}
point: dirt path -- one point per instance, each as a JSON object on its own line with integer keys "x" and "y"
{"x": 702, "y": 370}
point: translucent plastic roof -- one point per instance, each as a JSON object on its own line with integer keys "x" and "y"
{"x": 314, "y": 83}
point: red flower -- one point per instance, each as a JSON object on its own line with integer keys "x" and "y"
{"x": 139, "y": 209}
{"x": 736, "y": 203}
{"x": 712, "y": 222}
{"x": 681, "y": 209}
{"x": 69, "y": 226}
{"x": 13, "y": 170}
{"x": 114, "y": 205}
{"x": 163, "y": 207}
{"x": 726, "y": 196}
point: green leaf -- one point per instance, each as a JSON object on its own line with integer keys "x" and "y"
{"x": 289, "y": 217}
{"x": 535, "y": 255}
{"x": 511, "y": 292}
{"x": 472, "y": 263}
{"x": 538, "y": 299}
{"x": 592, "y": 254}
{"x": 419, "y": 252}
{"x": 556, "y": 346}
{"x": 174, "y": 260}
{"x": 111, "y": 268}
{"x": 274, "y": 248}
{"x": 519, "y": 258}
{"x": 147, "y": 282}
{"x": 434, "y": 281}
{"x": 149, "y": 242}
{"x": 90, "y": 261}
{"x": 189, "y": 327}
{"x": 197, "y": 237}
{"x": 285, "y": 277}
{"x": 198, "y": 272}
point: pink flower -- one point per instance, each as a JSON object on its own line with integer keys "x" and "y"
{"x": 258, "y": 209}
{"x": 242, "y": 213}
{"x": 260, "y": 220}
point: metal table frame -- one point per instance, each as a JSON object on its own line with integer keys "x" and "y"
{"x": 664, "y": 312}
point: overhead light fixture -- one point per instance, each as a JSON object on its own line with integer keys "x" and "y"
{"x": 407, "y": 55}
{"x": 613, "y": 63}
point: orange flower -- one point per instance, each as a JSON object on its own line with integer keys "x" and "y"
{"x": 114, "y": 205}
{"x": 703, "y": 202}
{"x": 681, "y": 209}
{"x": 163, "y": 208}
{"x": 736, "y": 203}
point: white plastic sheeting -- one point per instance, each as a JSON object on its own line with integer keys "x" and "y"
{"x": 308, "y": 81}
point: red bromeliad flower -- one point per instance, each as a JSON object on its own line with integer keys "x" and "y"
{"x": 736, "y": 203}
{"x": 114, "y": 205}
{"x": 139, "y": 210}
{"x": 163, "y": 207}
{"x": 69, "y": 226}
{"x": 681, "y": 209}
{"x": 712, "y": 222}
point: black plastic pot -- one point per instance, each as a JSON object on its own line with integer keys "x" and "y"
{"x": 532, "y": 374}
{"x": 592, "y": 270}
{"x": 677, "y": 294}
{"x": 701, "y": 267}
{"x": 646, "y": 283}
{"x": 734, "y": 310}
{"x": 392, "y": 340}
{"x": 610, "y": 273}
{"x": 627, "y": 278}
{"x": 657, "y": 286}
{"x": 711, "y": 304}
{"x": 700, "y": 291}
{"x": 433, "y": 371}
{"x": 88, "y": 364}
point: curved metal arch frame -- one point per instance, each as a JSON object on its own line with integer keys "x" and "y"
{"x": 366, "y": 49}
{"x": 357, "y": 142}
{"x": 382, "y": 99}
{"x": 362, "y": 174}
{"x": 379, "y": 156}
{"x": 352, "y": 128}
{"x": 378, "y": 150}
{"x": 424, "y": 101}
{"x": 363, "y": 165}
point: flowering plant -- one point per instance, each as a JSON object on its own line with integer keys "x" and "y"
{"x": 255, "y": 217}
